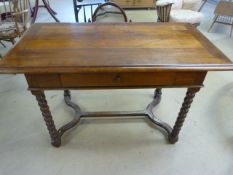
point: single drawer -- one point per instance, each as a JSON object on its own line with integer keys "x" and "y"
{"x": 115, "y": 80}
{"x": 131, "y": 79}
{"x": 49, "y": 81}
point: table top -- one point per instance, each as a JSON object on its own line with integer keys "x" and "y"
{"x": 93, "y": 47}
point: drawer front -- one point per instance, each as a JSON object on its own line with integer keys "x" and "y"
{"x": 132, "y": 79}
{"x": 43, "y": 80}
{"x": 116, "y": 80}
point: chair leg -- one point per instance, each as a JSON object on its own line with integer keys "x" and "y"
{"x": 2, "y": 44}
{"x": 202, "y": 5}
{"x": 215, "y": 19}
{"x": 12, "y": 41}
{"x": 231, "y": 30}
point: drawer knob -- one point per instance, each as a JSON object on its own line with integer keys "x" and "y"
{"x": 117, "y": 78}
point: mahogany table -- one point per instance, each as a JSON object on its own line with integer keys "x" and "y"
{"x": 108, "y": 56}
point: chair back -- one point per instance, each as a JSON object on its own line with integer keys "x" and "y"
{"x": 6, "y": 11}
{"x": 86, "y": 10}
{"x": 224, "y": 8}
{"x": 21, "y": 14}
{"x": 109, "y": 12}
{"x": 191, "y": 4}
{"x": 14, "y": 19}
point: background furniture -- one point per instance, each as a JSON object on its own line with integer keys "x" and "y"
{"x": 15, "y": 21}
{"x": 86, "y": 8}
{"x": 126, "y": 55}
{"x": 223, "y": 14}
{"x": 184, "y": 11}
{"x": 45, "y": 5}
{"x": 128, "y": 4}
{"x": 202, "y": 5}
{"x": 163, "y": 11}
{"x": 109, "y": 12}
{"x": 5, "y": 9}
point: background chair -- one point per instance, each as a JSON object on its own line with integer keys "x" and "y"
{"x": 14, "y": 20}
{"x": 87, "y": 9}
{"x": 202, "y": 5}
{"x": 179, "y": 11}
{"x": 109, "y": 12}
{"x": 223, "y": 14}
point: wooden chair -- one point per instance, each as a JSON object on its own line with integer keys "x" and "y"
{"x": 87, "y": 10}
{"x": 202, "y": 5}
{"x": 15, "y": 20}
{"x": 109, "y": 12}
{"x": 223, "y": 14}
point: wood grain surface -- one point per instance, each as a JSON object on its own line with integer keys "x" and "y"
{"x": 119, "y": 47}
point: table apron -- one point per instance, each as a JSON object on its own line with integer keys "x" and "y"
{"x": 115, "y": 80}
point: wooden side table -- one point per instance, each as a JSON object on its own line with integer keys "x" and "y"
{"x": 223, "y": 14}
{"x": 114, "y": 56}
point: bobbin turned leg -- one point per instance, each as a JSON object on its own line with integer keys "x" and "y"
{"x": 173, "y": 137}
{"x": 54, "y": 134}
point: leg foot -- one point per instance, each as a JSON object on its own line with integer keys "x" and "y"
{"x": 67, "y": 94}
{"x": 172, "y": 140}
{"x": 173, "y": 137}
{"x": 56, "y": 142}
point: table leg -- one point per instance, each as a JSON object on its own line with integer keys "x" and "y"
{"x": 2, "y": 44}
{"x": 54, "y": 134}
{"x": 148, "y": 112}
{"x": 158, "y": 93}
{"x": 173, "y": 137}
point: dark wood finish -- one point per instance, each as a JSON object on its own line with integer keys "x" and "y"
{"x": 117, "y": 11}
{"x": 173, "y": 137}
{"x": 111, "y": 80}
{"x": 158, "y": 93}
{"x": 122, "y": 47}
{"x": 120, "y": 55}
{"x": 54, "y": 134}
{"x": 148, "y": 112}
